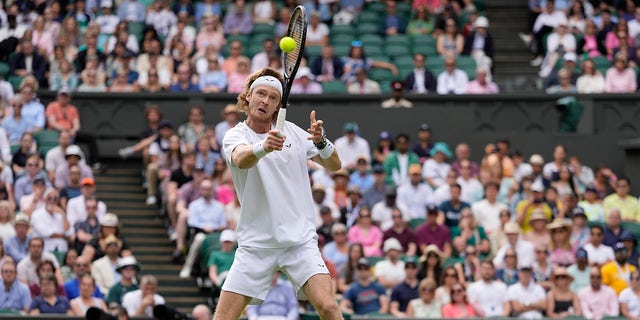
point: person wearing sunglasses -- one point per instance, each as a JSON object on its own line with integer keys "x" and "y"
{"x": 598, "y": 300}
{"x": 561, "y": 301}
{"x": 630, "y": 298}
{"x": 459, "y": 308}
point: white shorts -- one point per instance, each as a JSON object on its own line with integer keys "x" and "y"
{"x": 253, "y": 269}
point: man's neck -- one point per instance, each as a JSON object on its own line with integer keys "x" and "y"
{"x": 126, "y": 282}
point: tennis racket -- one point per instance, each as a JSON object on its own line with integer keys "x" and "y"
{"x": 298, "y": 31}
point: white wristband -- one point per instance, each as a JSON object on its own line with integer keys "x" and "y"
{"x": 327, "y": 151}
{"x": 258, "y": 150}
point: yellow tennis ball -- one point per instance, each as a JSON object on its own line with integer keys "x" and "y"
{"x": 287, "y": 44}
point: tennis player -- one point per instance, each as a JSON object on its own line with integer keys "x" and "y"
{"x": 276, "y": 231}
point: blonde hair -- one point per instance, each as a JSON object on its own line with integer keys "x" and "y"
{"x": 243, "y": 104}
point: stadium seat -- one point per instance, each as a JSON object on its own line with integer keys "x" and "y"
{"x": 367, "y": 28}
{"x": 257, "y": 38}
{"x": 379, "y": 57}
{"x": 240, "y": 37}
{"x": 312, "y": 51}
{"x": 399, "y": 40}
{"x": 404, "y": 8}
{"x": 602, "y": 64}
{"x": 375, "y": 6}
{"x": 210, "y": 244}
{"x": 341, "y": 50}
{"x": 14, "y": 148}
{"x": 46, "y": 139}
{"x": 4, "y": 69}
{"x": 426, "y": 49}
{"x": 380, "y": 75}
{"x": 254, "y": 48}
{"x": 435, "y": 62}
{"x": 632, "y": 227}
{"x": 404, "y": 72}
{"x": 385, "y": 87}
{"x": 371, "y": 40}
{"x": 136, "y": 29}
{"x": 373, "y": 50}
{"x": 467, "y": 64}
{"x": 395, "y": 51}
{"x": 368, "y": 17}
{"x": 416, "y": 222}
{"x": 334, "y": 87}
{"x": 341, "y": 39}
{"x": 343, "y": 29}
{"x": 263, "y": 28}
{"x": 423, "y": 40}
{"x": 403, "y": 61}
{"x": 15, "y": 82}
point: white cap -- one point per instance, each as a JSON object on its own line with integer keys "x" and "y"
{"x": 570, "y": 56}
{"x": 536, "y": 159}
{"x": 106, "y": 4}
{"x": 228, "y": 236}
{"x": 392, "y": 244}
{"x": 73, "y": 150}
{"x": 537, "y": 186}
{"x": 481, "y": 22}
{"x": 304, "y": 72}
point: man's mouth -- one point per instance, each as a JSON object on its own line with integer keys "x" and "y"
{"x": 262, "y": 110}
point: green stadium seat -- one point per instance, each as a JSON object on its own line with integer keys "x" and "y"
{"x": 422, "y": 40}
{"x": 341, "y": 39}
{"x": 371, "y": 40}
{"x": 404, "y": 72}
{"x": 136, "y": 29}
{"x": 254, "y": 48}
{"x": 400, "y": 40}
{"x": 263, "y": 28}
{"x": 435, "y": 62}
{"x": 259, "y": 37}
{"x": 426, "y": 49}
{"x": 210, "y": 244}
{"x": 240, "y": 37}
{"x": 395, "y": 51}
{"x": 373, "y": 50}
{"x": 341, "y": 50}
{"x": 374, "y": 260}
{"x": 367, "y": 28}
{"x": 380, "y": 75}
{"x": 368, "y": 17}
{"x": 14, "y": 148}
{"x": 379, "y": 57}
{"x": 341, "y": 29}
{"x": 15, "y": 82}
{"x": 334, "y": 87}
{"x": 403, "y": 8}
{"x": 385, "y": 87}
{"x": 468, "y": 65}
{"x": 375, "y": 6}
{"x": 632, "y": 227}
{"x": 4, "y": 69}
{"x": 46, "y": 138}
{"x": 312, "y": 51}
{"x": 416, "y": 222}
{"x": 602, "y": 63}
{"x": 403, "y": 61}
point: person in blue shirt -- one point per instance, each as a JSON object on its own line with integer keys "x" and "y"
{"x": 48, "y": 301}
{"x": 15, "y": 125}
{"x": 184, "y": 83}
{"x": 281, "y": 301}
{"x": 365, "y": 296}
{"x": 451, "y": 210}
{"x": 72, "y": 287}
{"x": 14, "y": 295}
{"x": 17, "y": 247}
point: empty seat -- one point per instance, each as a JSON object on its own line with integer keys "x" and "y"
{"x": 334, "y": 87}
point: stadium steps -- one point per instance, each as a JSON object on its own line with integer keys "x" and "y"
{"x": 120, "y": 188}
{"x": 511, "y": 66}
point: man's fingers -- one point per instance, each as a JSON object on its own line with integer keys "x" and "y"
{"x": 312, "y": 117}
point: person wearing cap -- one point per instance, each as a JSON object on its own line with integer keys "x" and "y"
{"x": 327, "y": 223}
{"x": 390, "y": 271}
{"x": 554, "y": 79}
{"x": 264, "y": 161}
{"x": 351, "y": 146}
{"x": 107, "y": 20}
{"x": 73, "y": 155}
{"x": 128, "y": 269}
{"x": 87, "y": 229}
{"x": 108, "y": 226}
{"x": 525, "y": 249}
{"x": 304, "y": 83}
{"x": 14, "y": 124}
{"x": 56, "y": 157}
{"x": 622, "y": 200}
{"x": 630, "y": 243}
{"x": 433, "y": 233}
{"x": 17, "y": 246}
{"x": 525, "y": 207}
{"x": 205, "y": 216}
{"x": 598, "y": 300}
{"x": 407, "y": 290}
{"x": 30, "y": 202}
{"x": 561, "y": 301}
{"x": 415, "y": 195}
{"x": 580, "y": 232}
{"x": 487, "y": 305}
{"x": 398, "y": 161}
{"x": 397, "y": 100}
{"x": 435, "y": 168}
{"x": 102, "y": 269}
{"x": 24, "y": 184}
{"x": 77, "y": 207}
{"x": 525, "y": 299}
{"x": 364, "y": 295}
{"x": 537, "y": 167}
{"x": 580, "y": 270}
{"x": 61, "y": 115}
{"x": 51, "y": 224}
{"x": 592, "y": 205}
{"x": 615, "y": 274}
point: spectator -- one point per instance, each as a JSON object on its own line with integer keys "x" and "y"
{"x": 103, "y": 269}
{"x": 619, "y": 78}
{"x": 629, "y": 210}
{"x": 487, "y": 211}
{"x": 562, "y": 302}
{"x": 27, "y": 266}
{"x": 24, "y": 185}
{"x": 14, "y": 295}
{"x": 85, "y": 300}
{"x": 238, "y": 20}
{"x": 469, "y": 234}
{"x": 629, "y": 297}
{"x": 590, "y": 44}
{"x": 128, "y": 268}
{"x": 17, "y": 246}
{"x": 450, "y": 277}
{"x": 525, "y": 299}
{"x": 481, "y": 85}
{"x": 559, "y": 43}
{"x": 591, "y": 80}
{"x": 7, "y": 230}
{"x": 613, "y": 231}
{"x": 184, "y": 82}
{"x": 546, "y": 21}
{"x": 451, "y": 210}
{"x": 508, "y": 273}
{"x": 415, "y": 195}
{"x": 450, "y": 43}
{"x": 210, "y": 36}
{"x": 539, "y": 233}
{"x": 362, "y": 84}
{"x": 484, "y": 304}
{"x": 376, "y": 299}
{"x": 479, "y": 45}
{"x": 161, "y": 18}
{"x": 81, "y": 268}
{"x": 32, "y": 109}
{"x": 107, "y": 20}
{"x": 615, "y": 273}
{"x": 206, "y": 215}
{"x": 26, "y": 147}
{"x": 214, "y": 80}
{"x": 598, "y": 300}
{"x": 392, "y": 23}
{"x": 524, "y": 248}
{"x": 564, "y": 86}
{"x": 327, "y": 67}
{"x": 459, "y": 306}
{"x": 28, "y": 62}
{"x": 15, "y": 125}
{"x": 405, "y": 292}
{"x": 366, "y": 233}
{"x": 561, "y": 253}
{"x": 382, "y": 212}
{"x": 421, "y": 80}
{"x": 50, "y": 224}
{"x": 281, "y": 302}
{"x": 327, "y": 224}
{"x": 357, "y": 60}
{"x": 56, "y": 157}
{"x": 76, "y": 207}
{"x": 67, "y": 268}
{"x": 182, "y": 32}
{"x": 219, "y": 261}
{"x": 49, "y": 302}
{"x": 317, "y": 31}
{"x": 205, "y": 8}
{"x": 396, "y": 174}
{"x": 352, "y": 146}
{"x": 599, "y": 254}
{"x": 452, "y": 80}
{"x": 425, "y": 306}
{"x": 305, "y": 84}
{"x": 337, "y": 251}
{"x": 194, "y": 129}
{"x": 142, "y": 301}
{"x": 390, "y": 271}
{"x": 396, "y": 100}
{"x": 422, "y": 23}
{"x": 580, "y": 271}
{"x": 92, "y": 83}
{"x": 131, "y": 11}
{"x": 73, "y": 155}
{"x": 237, "y": 79}
{"x": 433, "y": 233}
{"x": 89, "y": 228}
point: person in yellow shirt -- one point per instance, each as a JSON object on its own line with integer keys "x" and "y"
{"x": 525, "y": 208}
{"x": 628, "y": 204}
{"x": 616, "y": 273}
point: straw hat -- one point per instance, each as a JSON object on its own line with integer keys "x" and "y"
{"x": 432, "y": 248}
{"x": 558, "y": 223}
{"x": 560, "y": 271}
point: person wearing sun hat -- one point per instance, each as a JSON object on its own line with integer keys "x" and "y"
{"x": 525, "y": 207}
{"x": 128, "y": 268}
{"x": 102, "y": 269}
{"x": 539, "y": 232}
{"x": 524, "y": 248}
{"x": 390, "y": 271}
{"x": 561, "y": 301}
{"x": 435, "y": 169}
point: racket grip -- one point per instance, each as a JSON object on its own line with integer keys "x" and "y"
{"x": 282, "y": 115}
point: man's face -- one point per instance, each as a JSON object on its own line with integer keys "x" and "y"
{"x": 64, "y": 140}
{"x": 63, "y": 99}
{"x": 486, "y": 272}
{"x": 8, "y": 273}
{"x": 35, "y": 249}
{"x": 92, "y": 207}
{"x": 81, "y": 266}
{"x": 455, "y": 193}
{"x": 418, "y": 61}
{"x": 596, "y": 236}
{"x": 206, "y": 189}
{"x": 264, "y": 102}
{"x": 149, "y": 289}
{"x": 327, "y": 52}
{"x": 622, "y": 188}
{"x": 595, "y": 278}
{"x": 33, "y": 166}
{"x": 613, "y": 220}
{"x": 21, "y": 229}
{"x": 402, "y": 145}
{"x": 524, "y": 276}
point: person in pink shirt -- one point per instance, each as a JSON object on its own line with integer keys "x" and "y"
{"x": 481, "y": 85}
{"x": 366, "y": 233}
{"x": 459, "y": 308}
{"x": 620, "y": 78}
{"x": 598, "y": 300}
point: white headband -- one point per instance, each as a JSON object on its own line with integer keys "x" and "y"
{"x": 267, "y": 81}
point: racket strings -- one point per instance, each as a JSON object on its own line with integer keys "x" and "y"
{"x": 297, "y": 32}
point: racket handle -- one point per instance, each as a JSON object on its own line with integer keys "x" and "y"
{"x": 282, "y": 115}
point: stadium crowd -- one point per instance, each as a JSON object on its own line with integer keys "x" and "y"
{"x": 585, "y": 46}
